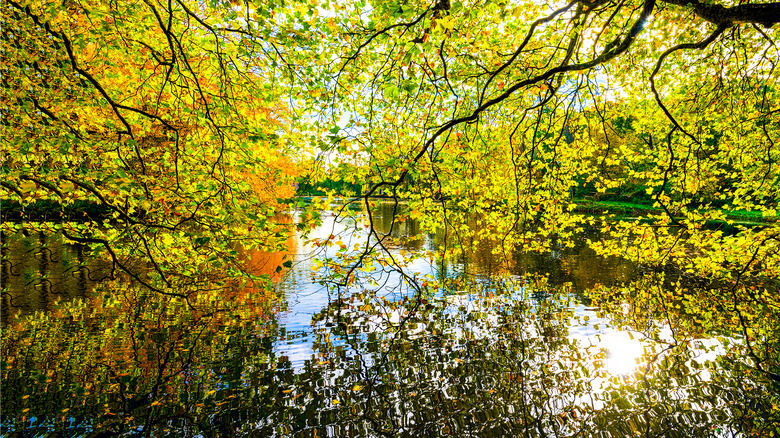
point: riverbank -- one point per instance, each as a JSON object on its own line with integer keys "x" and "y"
{"x": 84, "y": 211}
{"x": 629, "y": 210}
{"x": 52, "y": 211}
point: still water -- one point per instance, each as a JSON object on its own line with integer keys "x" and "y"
{"x": 560, "y": 344}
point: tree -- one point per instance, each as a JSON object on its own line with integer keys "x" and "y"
{"x": 176, "y": 126}
{"x": 188, "y": 121}
{"x": 498, "y": 110}
{"x": 486, "y": 106}
{"x": 486, "y": 115}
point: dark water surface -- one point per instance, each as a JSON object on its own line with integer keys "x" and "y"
{"x": 531, "y": 352}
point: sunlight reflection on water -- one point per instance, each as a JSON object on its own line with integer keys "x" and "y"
{"x": 624, "y": 352}
{"x": 476, "y": 355}
{"x": 306, "y": 298}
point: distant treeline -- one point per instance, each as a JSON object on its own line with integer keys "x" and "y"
{"x": 343, "y": 188}
{"x": 626, "y": 193}
{"x": 43, "y": 210}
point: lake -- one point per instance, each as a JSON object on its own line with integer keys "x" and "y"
{"x": 559, "y": 344}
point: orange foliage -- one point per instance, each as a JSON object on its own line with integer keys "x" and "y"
{"x": 276, "y": 182}
{"x": 258, "y": 262}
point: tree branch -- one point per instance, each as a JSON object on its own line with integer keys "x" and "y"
{"x": 766, "y": 14}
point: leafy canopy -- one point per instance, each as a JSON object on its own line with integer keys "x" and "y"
{"x": 493, "y": 120}
{"x": 170, "y": 116}
{"x": 490, "y": 123}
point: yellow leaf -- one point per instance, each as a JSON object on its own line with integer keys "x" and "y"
{"x": 447, "y": 23}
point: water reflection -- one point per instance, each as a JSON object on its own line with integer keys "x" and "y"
{"x": 569, "y": 262}
{"x": 514, "y": 354}
{"x": 39, "y": 269}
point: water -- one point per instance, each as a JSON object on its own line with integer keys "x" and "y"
{"x": 545, "y": 349}
{"x": 40, "y": 270}
{"x": 578, "y": 266}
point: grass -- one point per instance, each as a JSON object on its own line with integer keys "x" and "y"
{"x": 625, "y": 209}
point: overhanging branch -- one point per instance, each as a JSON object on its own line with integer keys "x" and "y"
{"x": 766, "y": 14}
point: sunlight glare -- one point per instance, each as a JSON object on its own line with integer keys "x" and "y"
{"x": 623, "y": 353}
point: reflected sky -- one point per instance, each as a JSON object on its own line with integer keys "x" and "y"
{"x": 522, "y": 353}
{"x": 307, "y": 298}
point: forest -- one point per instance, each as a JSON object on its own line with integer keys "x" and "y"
{"x": 456, "y": 190}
